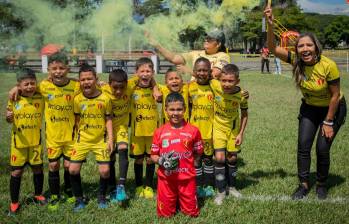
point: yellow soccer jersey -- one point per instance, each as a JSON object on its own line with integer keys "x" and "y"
{"x": 227, "y": 106}
{"x": 28, "y": 113}
{"x": 59, "y": 111}
{"x": 314, "y": 85}
{"x": 201, "y": 98}
{"x": 120, "y": 106}
{"x": 192, "y": 56}
{"x": 184, "y": 92}
{"x": 93, "y": 113}
{"x": 144, "y": 113}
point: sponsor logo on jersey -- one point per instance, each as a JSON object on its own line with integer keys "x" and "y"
{"x": 55, "y": 119}
{"x": 210, "y": 97}
{"x": 142, "y": 106}
{"x": 165, "y": 143}
{"x": 174, "y": 141}
{"x": 120, "y": 107}
{"x": 13, "y": 158}
{"x": 50, "y": 96}
{"x": 60, "y": 107}
{"x": 140, "y": 118}
{"x": 90, "y": 115}
{"x": 68, "y": 97}
{"x": 185, "y": 134}
{"x": 99, "y": 106}
{"x": 30, "y": 116}
{"x": 18, "y": 106}
{"x": 124, "y": 97}
{"x": 320, "y": 82}
{"x": 165, "y": 134}
{"x": 83, "y": 107}
{"x": 200, "y": 118}
{"x": 202, "y": 107}
{"x": 92, "y": 126}
{"x": 28, "y": 126}
{"x": 135, "y": 96}
{"x": 36, "y": 105}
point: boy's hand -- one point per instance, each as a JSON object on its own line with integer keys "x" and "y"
{"x": 9, "y": 115}
{"x": 14, "y": 93}
{"x": 238, "y": 140}
{"x": 157, "y": 94}
{"x": 169, "y": 161}
{"x": 245, "y": 94}
{"x": 110, "y": 147}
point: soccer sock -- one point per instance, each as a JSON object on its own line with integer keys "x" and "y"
{"x": 15, "y": 185}
{"x": 220, "y": 176}
{"x": 199, "y": 177}
{"x": 232, "y": 171}
{"x": 138, "y": 174}
{"x": 112, "y": 178}
{"x": 76, "y": 185}
{"x": 103, "y": 185}
{"x": 123, "y": 165}
{"x": 208, "y": 172}
{"x": 149, "y": 175}
{"x": 54, "y": 182}
{"x": 67, "y": 184}
{"x": 38, "y": 179}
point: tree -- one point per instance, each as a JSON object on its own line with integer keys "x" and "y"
{"x": 337, "y": 31}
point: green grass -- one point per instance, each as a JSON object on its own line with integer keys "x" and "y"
{"x": 267, "y": 170}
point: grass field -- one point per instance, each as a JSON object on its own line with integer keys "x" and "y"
{"x": 266, "y": 177}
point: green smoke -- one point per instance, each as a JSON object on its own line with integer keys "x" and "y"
{"x": 111, "y": 25}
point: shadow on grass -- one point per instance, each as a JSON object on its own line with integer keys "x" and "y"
{"x": 333, "y": 180}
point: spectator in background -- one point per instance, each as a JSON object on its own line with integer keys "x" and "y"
{"x": 277, "y": 62}
{"x": 265, "y": 58}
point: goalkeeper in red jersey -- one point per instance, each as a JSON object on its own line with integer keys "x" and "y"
{"x": 177, "y": 145}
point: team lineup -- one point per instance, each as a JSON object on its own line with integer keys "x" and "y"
{"x": 195, "y": 138}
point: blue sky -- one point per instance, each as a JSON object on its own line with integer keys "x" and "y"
{"x": 325, "y": 6}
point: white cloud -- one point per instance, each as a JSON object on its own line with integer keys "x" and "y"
{"x": 324, "y": 7}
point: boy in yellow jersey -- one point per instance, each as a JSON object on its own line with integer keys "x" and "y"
{"x": 94, "y": 125}
{"x": 120, "y": 92}
{"x": 26, "y": 115}
{"x": 144, "y": 121}
{"x": 228, "y": 129}
{"x": 201, "y": 103}
{"x": 174, "y": 84}
{"x": 58, "y": 92}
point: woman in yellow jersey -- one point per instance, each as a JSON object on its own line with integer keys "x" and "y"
{"x": 323, "y": 105}
{"x": 214, "y": 51}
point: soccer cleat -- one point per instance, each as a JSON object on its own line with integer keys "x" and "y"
{"x": 300, "y": 192}
{"x": 102, "y": 203}
{"x": 233, "y": 192}
{"x": 209, "y": 191}
{"x": 121, "y": 193}
{"x": 113, "y": 198}
{"x": 321, "y": 192}
{"x": 79, "y": 205}
{"x": 148, "y": 192}
{"x": 140, "y": 192}
{"x": 14, "y": 208}
{"x": 69, "y": 197}
{"x": 54, "y": 203}
{"x": 200, "y": 191}
{"x": 218, "y": 200}
{"x": 40, "y": 199}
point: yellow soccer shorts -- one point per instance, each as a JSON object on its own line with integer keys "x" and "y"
{"x": 55, "y": 150}
{"x": 225, "y": 140}
{"x": 19, "y": 157}
{"x": 121, "y": 135}
{"x": 81, "y": 150}
{"x": 208, "y": 147}
{"x": 140, "y": 146}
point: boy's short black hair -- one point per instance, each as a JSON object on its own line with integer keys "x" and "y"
{"x": 87, "y": 68}
{"x": 202, "y": 59}
{"x": 58, "y": 57}
{"x": 25, "y": 73}
{"x": 174, "y": 97}
{"x": 144, "y": 61}
{"x": 118, "y": 75}
{"x": 172, "y": 69}
{"x": 231, "y": 69}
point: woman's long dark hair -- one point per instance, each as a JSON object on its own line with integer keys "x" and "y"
{"x": 299, "y": 65}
